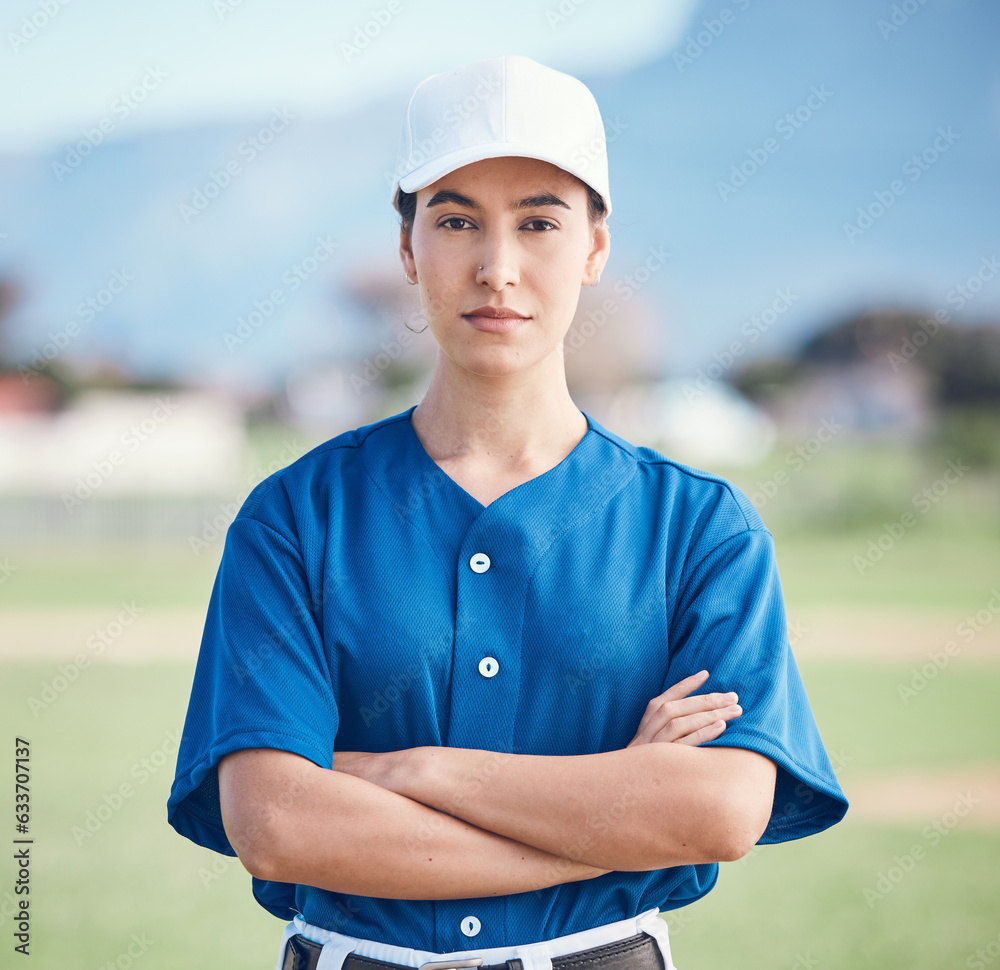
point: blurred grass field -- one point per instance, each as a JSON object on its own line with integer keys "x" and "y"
{"x": 133, "y": 882}
{"x": 126, "y": 874}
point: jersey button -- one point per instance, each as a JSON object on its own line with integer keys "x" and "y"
{"x": 480, "y": 562}
{"x": 488, "y": 666}
{"x": 471, "y": 926}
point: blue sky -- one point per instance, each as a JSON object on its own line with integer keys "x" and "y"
{"x": 227, "y": 58}
{"x": 217, "y": 70}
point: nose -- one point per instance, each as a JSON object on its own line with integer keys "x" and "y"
{"x": 498, "y": 262}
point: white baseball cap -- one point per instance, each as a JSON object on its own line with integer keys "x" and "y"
{"x": 508, "y": 105}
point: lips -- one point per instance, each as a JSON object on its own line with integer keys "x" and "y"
{"x": 495, "y": 319}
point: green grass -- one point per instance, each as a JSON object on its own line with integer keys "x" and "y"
{"x": 952, "y": 723}
{"x": 803, "y": 904}
{"x": 925, "y": 570}
{"x": 786, "y": 903}
{"x": 91, "y": 891}
{"x": 855, "y": 485}
{"x": 102, "y": 574}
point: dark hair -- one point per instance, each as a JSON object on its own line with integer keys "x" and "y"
{"x": 406, "y": 205}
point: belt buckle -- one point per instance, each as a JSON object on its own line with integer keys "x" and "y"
{"x": 451, "y": 964}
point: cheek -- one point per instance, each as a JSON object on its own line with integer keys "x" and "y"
{"x": 560, "y": 277}
{"x": 441, "y": 288}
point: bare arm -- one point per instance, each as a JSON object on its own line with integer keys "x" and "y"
{"x": 644, "y": 807}
{"x": 647, "y": 806}
{"x": 350, "y": 830}
{"x": 292, "y": 821}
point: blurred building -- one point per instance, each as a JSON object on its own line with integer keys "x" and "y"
{"x": 109, "y": 444}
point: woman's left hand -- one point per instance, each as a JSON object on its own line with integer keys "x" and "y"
{"x": 681, "y": 717}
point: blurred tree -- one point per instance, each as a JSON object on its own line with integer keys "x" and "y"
{"x": 958, "y": 365}
{"x": 10, "y": 294}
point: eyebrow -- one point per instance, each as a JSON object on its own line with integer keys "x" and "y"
{"x": 531, "y": 202}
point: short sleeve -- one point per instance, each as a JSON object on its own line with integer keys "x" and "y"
{"x": 262, "y": 679}
{"x": 730, "y": 620}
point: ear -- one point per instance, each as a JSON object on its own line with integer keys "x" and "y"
{"x": 598, "y": 256}
{"x": 406, "y": 254}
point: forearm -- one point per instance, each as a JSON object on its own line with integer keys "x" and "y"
{"x": 644, "y": 807}
{"x": 292, "y": 821}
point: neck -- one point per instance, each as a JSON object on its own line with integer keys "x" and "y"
{"x": 511, "y": 422}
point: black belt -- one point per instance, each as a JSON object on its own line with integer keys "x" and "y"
{"x": 639, "y": 952}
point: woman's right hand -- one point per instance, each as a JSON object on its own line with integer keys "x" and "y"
{"x": 676, "y": 716}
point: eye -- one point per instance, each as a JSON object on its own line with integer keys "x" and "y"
{"x": 540, "y": 225}
{"x": 447, "y": 223}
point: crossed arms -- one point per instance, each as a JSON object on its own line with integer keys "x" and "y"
{"x": 453, "y": 823}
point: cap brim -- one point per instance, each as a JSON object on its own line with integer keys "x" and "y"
{"x": 437, "y": 168}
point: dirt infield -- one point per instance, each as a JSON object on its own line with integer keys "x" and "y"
{"x": 919, "y": 798}
{"x": 893, "y": 634}
{"x": 126, "y": 634}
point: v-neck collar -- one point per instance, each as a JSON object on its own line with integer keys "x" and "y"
{"x": 531, "y": 514}
{"x": 472, "y": 498}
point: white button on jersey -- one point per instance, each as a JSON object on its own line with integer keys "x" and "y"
{"x": 480, "y": 562}
{"x": 488, "y": 666}
{"x": 471, "y": 926}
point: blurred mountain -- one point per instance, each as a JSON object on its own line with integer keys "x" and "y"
{"x": 816, "y": 157}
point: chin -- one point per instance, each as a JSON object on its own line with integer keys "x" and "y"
{"x": 499, "y": 361}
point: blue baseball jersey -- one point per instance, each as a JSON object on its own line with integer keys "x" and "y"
{"x": 366, "y": 602}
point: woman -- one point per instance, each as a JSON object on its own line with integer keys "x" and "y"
{"x": 445, "y": 706}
